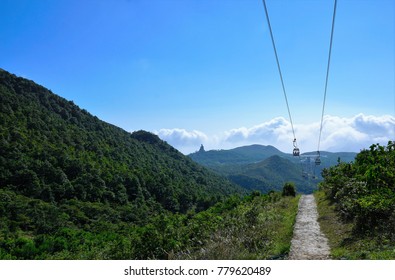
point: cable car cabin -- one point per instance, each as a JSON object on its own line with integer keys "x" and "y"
{"x": 296, "y": 152}
{"x": 317, "y": 161}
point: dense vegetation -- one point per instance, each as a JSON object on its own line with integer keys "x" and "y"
{"x": 265, "y": 168}
{"x": 53, "y": 151}
{"x": 73, "y": 186}
{"x": 255, "y": 227}
{"x": 362, "y": 194}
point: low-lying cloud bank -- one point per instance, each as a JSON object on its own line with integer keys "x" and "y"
{"x": 338, "y": 134}
{"x": 178, "y": 137}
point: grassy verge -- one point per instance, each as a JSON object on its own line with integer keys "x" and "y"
{"x": 344, "y": 243}
{"x": 286, "y": 210}
{"x": 260, "y": 228}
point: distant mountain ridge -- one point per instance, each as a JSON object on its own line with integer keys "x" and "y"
{"x": 239, "y": 155}
{"x": 266, "y": 168}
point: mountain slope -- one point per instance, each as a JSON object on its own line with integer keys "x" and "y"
{"x": 53, "y": 151}
{"x": 265, "y": 168}
{"x": 237, "y": 156}
{"x": 271, "y": 174}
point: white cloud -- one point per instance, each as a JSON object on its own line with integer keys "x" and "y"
{"x": 267, "y": 131}
{"x": 356, "y": 133}
{"x": 183, "y": 140}
{"x": 273, "y": 132}
{"x": 338, "y": 134}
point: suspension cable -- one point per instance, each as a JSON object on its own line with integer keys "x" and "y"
{"x": 279, "y": 70}
{"x": 327, "y": 75}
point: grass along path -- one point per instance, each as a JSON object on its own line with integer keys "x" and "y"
{"x": 346, "y": 244}
{"x": 260, "y": 227}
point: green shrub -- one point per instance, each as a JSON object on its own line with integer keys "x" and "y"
{"x": 289, "y": 189}
{"x": 364, "y": 191}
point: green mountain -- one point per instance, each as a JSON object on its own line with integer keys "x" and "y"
{"x": 61, "y": 167}
{"x": 265, "y": 168}
{"x": 271, "y": 174}
{"x": 241, "y": 155}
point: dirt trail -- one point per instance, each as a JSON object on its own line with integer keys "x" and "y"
{"x": 308, "y": 242}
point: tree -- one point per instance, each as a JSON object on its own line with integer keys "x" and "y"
{"x": 289, "y": 189}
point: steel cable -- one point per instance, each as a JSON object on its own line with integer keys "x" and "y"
{"x": 327, "y": 75}
{"x": 279, "y": 70}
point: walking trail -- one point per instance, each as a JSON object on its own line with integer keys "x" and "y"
{"x": 308, "y": 242}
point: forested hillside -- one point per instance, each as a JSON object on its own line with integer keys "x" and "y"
{"x": 65, "y": 172}
{"x": 265, "y": 168}
{"x": 271, "y": 174}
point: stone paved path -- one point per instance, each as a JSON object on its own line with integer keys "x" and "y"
{"x": 308, "y": 242}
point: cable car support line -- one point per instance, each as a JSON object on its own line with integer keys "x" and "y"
{"x": 296, "y": 149}
{"x": 327, "y": 76}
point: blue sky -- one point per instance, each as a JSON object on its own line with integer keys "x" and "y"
{"x": 204, "y": 71}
